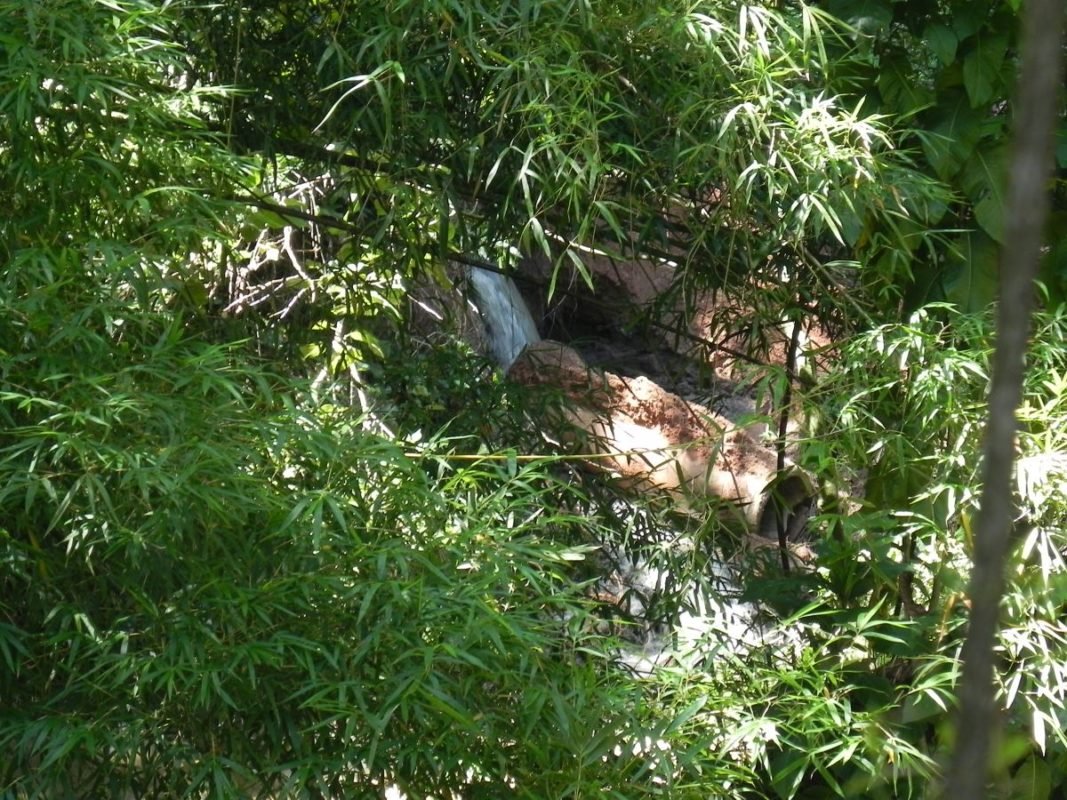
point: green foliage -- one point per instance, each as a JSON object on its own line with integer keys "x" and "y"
{"x": 259, "y": 538}
{"x": 944, "y": 71}
{"x": 708, "y": 135}
{"x": 90, "y": 141}
{"x": 906, "y": 402}
{"x": 207, "y": 590}
{"x": 211, "y": 586}
{"x": 856, "y": 700}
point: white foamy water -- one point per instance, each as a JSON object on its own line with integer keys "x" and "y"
{"x": 507, "y": 320}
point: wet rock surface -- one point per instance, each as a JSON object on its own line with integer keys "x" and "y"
{"x": 656, "y": 439}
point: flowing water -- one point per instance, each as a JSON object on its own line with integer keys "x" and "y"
{"x": 507, "y": 319}
{"x": 708, "y": 614}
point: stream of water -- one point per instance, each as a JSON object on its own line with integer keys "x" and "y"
{"x": 507, "y": 319}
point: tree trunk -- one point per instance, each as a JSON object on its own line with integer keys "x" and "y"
{"x": 1036, "y": 113}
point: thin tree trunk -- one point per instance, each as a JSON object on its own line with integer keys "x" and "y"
{"x": 1037, "y": 109}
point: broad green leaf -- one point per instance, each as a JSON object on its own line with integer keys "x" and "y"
{"x": 982, "y": 180}
{"x": 899, "y": 89}
{"x": 968, "y": 17}
{"x": 1033, "y": 780}
{"x": 989, "y": 213}
{"x": 982, "y": 69}
{"x": 954, "y": 131}
{"x": 984, "y": 172}
{"x": 1054, "y": 264}
{"x": 972, "y": 281}
{"x": 942, "y": 41}
{"x": 1061, "y": 147}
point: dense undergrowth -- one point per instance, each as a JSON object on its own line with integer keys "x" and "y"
{"x": 262, "y": 536}
{"x": 213, "y": 584}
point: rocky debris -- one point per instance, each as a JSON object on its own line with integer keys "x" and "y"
{"x": 655, "y": 439}
{"x": 616, "y": 295}
{"x": 625, "y": 293}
